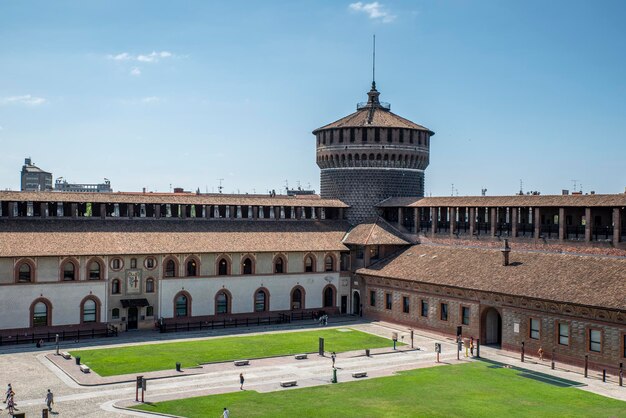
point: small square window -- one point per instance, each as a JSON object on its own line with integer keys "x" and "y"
{"x": 388, "y": 301}
{"x": 149, "y": 310}
{"x": 443, "y": 311}
{"x": 372, "y": 298}
{"x": 133, "y": 263}
{"x": 406, "y": 304}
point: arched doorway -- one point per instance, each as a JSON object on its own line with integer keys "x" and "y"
{"x": 492, "y": 327}
{"x": 356, "y": 303}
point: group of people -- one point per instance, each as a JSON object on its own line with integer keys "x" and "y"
{"x": 323, "y": 320}
{"x": 10, "y": 400}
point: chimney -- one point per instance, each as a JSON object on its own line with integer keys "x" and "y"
{"x": 144, "y": 190}
{"x": 505, "y": 253}
{"x": 564, "y": 192}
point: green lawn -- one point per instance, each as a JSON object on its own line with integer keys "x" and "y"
{"x": 151, "y": 357}
{"x": 468, "y": 390}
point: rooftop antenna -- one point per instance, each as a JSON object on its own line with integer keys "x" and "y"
{"x": 220, "y": 187}
{"x": 574, "y": 181}
{"x": 521, "y": 187}
{"x": 374, "y": 63}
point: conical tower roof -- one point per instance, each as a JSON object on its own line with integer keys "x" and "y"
{"x": 374, "y": 114}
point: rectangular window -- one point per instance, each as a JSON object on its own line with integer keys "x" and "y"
{"x": 595, "y": 340}
{"x": 424, "y": 308}
{"x": 406, "y": 304}
{"x": 372, "y": 298}
{"x": 149, "y": 310}
{"x": 359, "y": 252}
{"x": 133, "y": 263}
{"x": 534, "y": 329}
{"x": 563, "y": 334}
{"x": 465, "y": 315}
{"x": 444, "y": 311}
{"x": 624, "y": 345}
{"x": 388, "y": 300}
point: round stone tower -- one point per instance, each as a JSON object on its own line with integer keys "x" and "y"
{"x": 371, "y": 155}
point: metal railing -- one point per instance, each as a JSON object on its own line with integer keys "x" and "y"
{"x": 50, "y": 336}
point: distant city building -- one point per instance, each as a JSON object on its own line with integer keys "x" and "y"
{"x": 63, "y": 186}
{"x": 34, "y": 179}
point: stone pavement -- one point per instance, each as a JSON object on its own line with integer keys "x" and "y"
{"x": 32, "y": 373}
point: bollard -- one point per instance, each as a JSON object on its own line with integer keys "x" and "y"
{"x": 367, "y": 352}
{"x": 44, "y": 413}
{"x": 522, "y": 351}
{"x": 604, "y": 375}
{"x": 477, "y": 347}
{"x": 621, "y": 374}
{"x": 77, "y": 358}
{"x": 586, "y": 364}
{"x": 552, "y": 359}
{"x": 177, "y": 367}
{"x": 334, "y": 379}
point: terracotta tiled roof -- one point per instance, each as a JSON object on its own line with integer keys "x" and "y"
{"x": 381, "y": 118}
{"x": 587, "y": 200}
{"x": 376, "y": 232}
{"x": 172, "y": 198}
{"x": 21, "y": 238}
{"x": 582, "y": 280}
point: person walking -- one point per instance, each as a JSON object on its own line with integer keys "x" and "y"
{"x": 226, "y": 413}
{"x": 333, "y": 356}
{"x": 241, "y": 380}
{"x": 11, "y": 404}
{"x": 472, "y": 346}
{"x": 8, "y": 393}
{"x": 540, "y": 352}
{"x": 49, "y": 400}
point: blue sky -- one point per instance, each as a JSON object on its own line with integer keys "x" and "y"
{"x": 155, "y": 93}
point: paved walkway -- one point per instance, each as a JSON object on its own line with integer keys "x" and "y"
{"x": 32, "y": 372}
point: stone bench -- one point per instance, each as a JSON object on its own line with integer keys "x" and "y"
{"x": 242, "y": 362}
{"x": 288, "y": 383}
{"x": 84, "y": 369}
{"x": 357, "y": 375}
{"x": 66, "y": 355}
{"x": 301, "y": 357}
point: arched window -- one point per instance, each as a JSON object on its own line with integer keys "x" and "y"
{"x": 115, "y": 287}
{"x": 279, "y": 265}
{"x": 192, "y": 268}
{"x": 170, "y": 268}
{"x": 329, "y": 263}
{"x": 40, "y": 314}
{"x": 95, "y": 271}
{"x": 329, "y": 297}
{"x": 24, "y": 273}
{"x": 309, "y": 264}
{"x": 115, "y": 313}
{"x": 247, "y": 266}
{"x": 89, "y": 310}
{"x": 221, "y": 303}
{"x": 181, "y": 307}
{"x": 69, "y": 271}
{"x": 222, "y": 267}
{"x": 297, "y": 298}
{"x": 150, "y": 285}
{"x": 260, "y": 301}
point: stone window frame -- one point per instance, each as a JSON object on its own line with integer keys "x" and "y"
{"x": 227, "y": 260}
{"x": 558, "y": 333}
{"x": 133, "y": 263}
{"x": 424, "y": 303}
{"x": 442, "y": 310}
{"x": 372, "y": 298}
{"x": 82, "y": 309}
{"x": 530, "y": 328}
{"x": 252, "y": 259}
{"x": 119, "y": 286}
{"x": 154, "y": 265}
{"x": 334, "y": 301}
{"x": 623, "y": 342}
{"x": 75, "y": 263}
{"x": 112, "y": 262}
{"x": 113, "y": 316}
{"x": 33, "y": 268}
{"x": 302, "y": 299}
{"x": 388, "y": 301}
{"x": 188, "y": 307}
{"x": 153, "y": 282}
{"x": 469, "y": 315}
{"x": 333, "y": 262}
{"x": 49, "y": 308}
{"x": 229, "y": 301}
{"x": 283, "y": 259}
{"x": 406, "y": 307}
{"x": 266, "y": 307}
{"x": 589, "y": 342}
{"x": 101, "y": 265}
{"x": 148, "y": 313}
{"x": 313, "y": 259}
{"x": 166, "y": 261}
{"x": 192, "y": 258}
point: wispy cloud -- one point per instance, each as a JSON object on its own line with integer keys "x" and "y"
{"x": 153, "y": 56}
{"x": 151, "y": 99}
{"x": 374, "y": 10}
{"x": 25, "y": 99}
{"x": 135, "y": 71}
